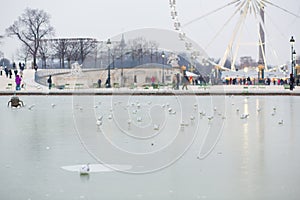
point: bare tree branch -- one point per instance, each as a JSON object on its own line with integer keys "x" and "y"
{"x": 30, "y": 28}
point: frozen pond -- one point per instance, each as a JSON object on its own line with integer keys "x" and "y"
{"x": 150, "y": 147}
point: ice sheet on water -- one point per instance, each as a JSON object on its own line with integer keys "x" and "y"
{"x": 97, "y": 167}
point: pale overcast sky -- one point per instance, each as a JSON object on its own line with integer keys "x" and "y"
{"x": 102, "y": 19}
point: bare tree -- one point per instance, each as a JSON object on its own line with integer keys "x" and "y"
{"x": 153, "y": 46}
{"x": 72, "y": 51}
{"x": 60, "y": 47}
{"x": 32, "y": 26}
{"x": 45, "y": 51}
{"x": 86, "y": 47}
{"x": 23, "y": 53}
{"x": 141, "y": 48}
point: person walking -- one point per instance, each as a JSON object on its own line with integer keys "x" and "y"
{"x": 99, "y": 83}
{"x": 177, "y": 81}
{"x": 18, "y": 82}
{"x": 174, "y": 82}
{"x": 10, "y": 73}
{"x": 292, "y": 81}
{"x": 185, "y": 82}
{"x": 49, "y": 82}
{"x": 6, "y": 71}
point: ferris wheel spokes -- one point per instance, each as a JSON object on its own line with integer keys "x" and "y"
{"x": 209, "y": 13}
{"x": 237, "y": 31}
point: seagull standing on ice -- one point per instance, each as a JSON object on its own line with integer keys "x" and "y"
{"x": 85, "y": 169}
{"x": 156, "y": 127}
{"x": 98, "y": 122}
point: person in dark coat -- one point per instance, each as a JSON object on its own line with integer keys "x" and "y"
{"x": 49, "y": 82}
{"x": 292, "y": 81}
{"x": 185, "y": 82}
{"x": 99, "y": 83}
{"x": 10, "y": 73}
{"x": 6, "y": 71}
{"x": 177, "y": 81}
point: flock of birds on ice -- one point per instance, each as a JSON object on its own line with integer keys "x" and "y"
{"x": 85, "y": 169}
{"x": 171, "y": 111}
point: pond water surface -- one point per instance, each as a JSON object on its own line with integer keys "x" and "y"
{"x": 150, "y": 147}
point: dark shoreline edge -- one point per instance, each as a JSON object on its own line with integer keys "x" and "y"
{"x": 138, "y": 93}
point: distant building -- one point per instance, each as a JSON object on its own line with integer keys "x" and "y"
{"x": 247, "y": 62}
{"x": 297, "y": 60}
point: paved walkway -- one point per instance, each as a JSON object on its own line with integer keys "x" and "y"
{"x": 8, "y": 85}
{"x": 33, "y": 88}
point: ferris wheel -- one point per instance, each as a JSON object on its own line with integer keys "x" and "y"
{"x": 233, "y": 29}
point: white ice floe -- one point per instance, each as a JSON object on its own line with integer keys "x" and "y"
{"x": 97, "y": 168}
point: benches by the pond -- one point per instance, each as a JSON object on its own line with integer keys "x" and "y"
{"x": 9, "y": 86}
{"x": 286, "y": 86}
{"x": 79, "y": 85}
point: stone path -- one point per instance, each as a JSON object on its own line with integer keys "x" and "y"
{"x": 7, "y": 87}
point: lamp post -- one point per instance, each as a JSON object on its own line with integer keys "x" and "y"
{"x": 294, "y": 63}
{"x": 292, "y": 42}
{"x": 108, "y": 43}
{"x": 163, "y": 63}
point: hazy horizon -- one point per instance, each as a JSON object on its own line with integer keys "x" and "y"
{"x": 106, "y": 19}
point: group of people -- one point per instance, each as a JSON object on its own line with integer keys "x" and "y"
{"x": 18, "y": 74}
{"x": 266, "y": 81}
{"x": 187, "y": 80}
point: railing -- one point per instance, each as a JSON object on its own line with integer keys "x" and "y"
{"x": 42, "y": 75}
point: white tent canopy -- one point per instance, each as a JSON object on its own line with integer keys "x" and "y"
{"x": 189, "y": 74}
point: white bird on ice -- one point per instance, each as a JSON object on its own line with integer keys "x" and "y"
{"x": 155, "y": 127}
{"x": 210, "y": 117}
{"x": 139, "y": 119}
{"x": 244, "y": 116}
{"x": 100, "y": 118}
{"x": 98, "y": 122}
{"x": 85, "y": 169}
